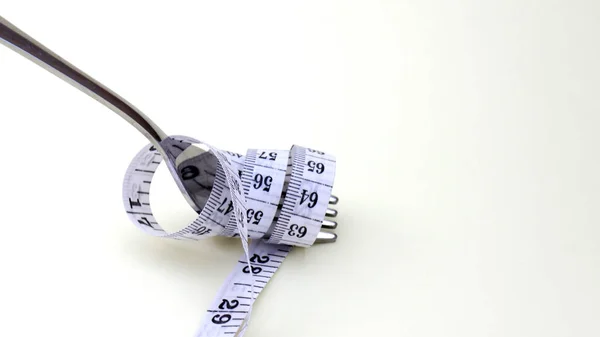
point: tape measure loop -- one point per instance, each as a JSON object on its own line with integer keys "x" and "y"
{"x": 278, "y": 198}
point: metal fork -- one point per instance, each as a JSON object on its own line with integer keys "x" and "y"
{"x": 195, "y": 194}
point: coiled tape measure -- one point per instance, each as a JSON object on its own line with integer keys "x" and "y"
{"x": 275, "y": 198}
{"x": 247, "y": 196}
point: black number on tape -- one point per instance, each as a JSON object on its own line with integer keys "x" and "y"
{"x": 189, "y": 172}
{"x": 223, "y": 210}
{"x": 144, "y": 221}
{"x": 315, "y": 151}
{"x": 136, "y": 203}
{"x": 230, "y": 305}
{"x": 201, "y": 230}
{"x": 259, "y": 259}
{"x": 312, "y": 165}
{"x": 152, "y": 148}
{"x": 272, "y": 155}
{"x": 254, "y": 216}
{"x": 259, "y": 181}
{"x": 235, "y": 154}
{"x": 255, "y": 270}
{"x": 312, "y": 198}
{"x": 301, "y": 231}
{"x": 221, "y": 319}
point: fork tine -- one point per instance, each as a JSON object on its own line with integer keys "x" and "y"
{"x": 328, "y": 224}
{"x": 326, "y": 237}
{"x": 332, "y": 213}
{"x": 333, "y": 200}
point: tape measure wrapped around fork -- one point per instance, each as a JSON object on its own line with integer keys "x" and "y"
{"x": 278, "y": 198}
{"x": 278, "y": 195}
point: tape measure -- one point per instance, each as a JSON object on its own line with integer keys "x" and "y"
{"x": 276, "y": 198}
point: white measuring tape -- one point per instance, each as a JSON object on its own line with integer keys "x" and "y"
{"x": 277, "y": 198}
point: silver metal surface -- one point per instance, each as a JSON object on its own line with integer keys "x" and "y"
{"x": 328, "y": 224}
{"x": 326, "y": 237}
{"x": 333, "y": 200}
{"x": 331, "y": 213}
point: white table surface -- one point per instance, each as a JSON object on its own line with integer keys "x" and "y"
{"x": 466, "y": 134}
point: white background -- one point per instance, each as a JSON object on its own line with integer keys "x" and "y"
{"x": 467, "y": 141}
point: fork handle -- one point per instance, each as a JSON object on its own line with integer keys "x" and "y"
{"x": 23, "y": 44}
